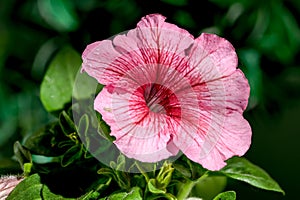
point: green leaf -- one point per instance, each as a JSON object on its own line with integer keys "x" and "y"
{"x": 61, "y": 15}
{"x": 83, "y": 127}
{"x": 229, "y": 195}
{"x": 241, "y": 169}
{"x": 285, "y": 33}
{"x": 133, "y": 194}
{"x": 152, "y": 186}
{"x": 209, "y": 187}
{"x": 29, "y": 189}
{"x": 40, "y": 142}
{"x": 57, "y": 85}
{"x": 85, "y": 86}
{"x": 72, "y": 155}
{"x": 23, "y": 156}
{"x": 165, "y": 175}
{"x": 66, "y": 124}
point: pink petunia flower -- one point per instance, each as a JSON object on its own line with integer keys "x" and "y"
{"x": 167, "y": 92}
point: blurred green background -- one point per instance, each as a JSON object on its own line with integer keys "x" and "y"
{"x": 265, "y": 34}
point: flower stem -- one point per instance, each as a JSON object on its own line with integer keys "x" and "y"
{"x": 185, "y": 190}
{"x": 187, "y": 187}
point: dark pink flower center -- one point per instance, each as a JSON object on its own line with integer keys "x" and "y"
{"x": 160, "y": 99}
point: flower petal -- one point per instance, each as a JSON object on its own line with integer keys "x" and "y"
{"x": 140, "y": 134}
{"x": 233, "y": 138}
{"x": 154, "y": 33}
{"x": 221, "y": 131}
{"x": 153, "y": 41}
{"x": 97, "y": 57}
{"x": 211, "y": 58}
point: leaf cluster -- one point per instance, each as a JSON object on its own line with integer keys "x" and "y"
{"x": 58, "y": 165}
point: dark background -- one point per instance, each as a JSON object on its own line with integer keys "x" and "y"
{"x": 265, "y": 34}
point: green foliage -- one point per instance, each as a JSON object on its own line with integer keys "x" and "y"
{"x": 58, "y": 82}
{"x": 243, "y": 170}
{"x": 30, "y": 188}
{"x": 182, "y": 178}
{"x": 33, "y": 188}
{"x": 230, "y": 195}
{"x": 24, "y": 157}
{"x": 209, "y": 187}
{"x": 84, "y": 86}
{"x": 60, "y": 15}
{"x": 133, "y": 194}
{"x": 265, "y": 33}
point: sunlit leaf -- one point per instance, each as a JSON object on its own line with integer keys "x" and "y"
{"x": 153, "y": 188}
{"x": 57, "y": 85}
{"x": 229, "y": 195}
{"x": 30, "y": 188}
{"x": 134, "y": 194}
{"x": 241, "y": 169}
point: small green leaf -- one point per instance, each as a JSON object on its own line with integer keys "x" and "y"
{"x": 57, "y": 85}
{"x": 241, "y": 169}
{"x": 72, "y": 155}
{"x": 165, "y": 175}
{"x": 66, "y": 123}
{"x": 152, "y": 186}
{"x": 29, "y": 189}
{"x": 27, "y": 168}
{"x": 133, "y": 194}
{"x": 83, "y": 125}
{"x": 24, "y": 157}
{"x": 91, "y": 195}
{"x": 229, "y": 195}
